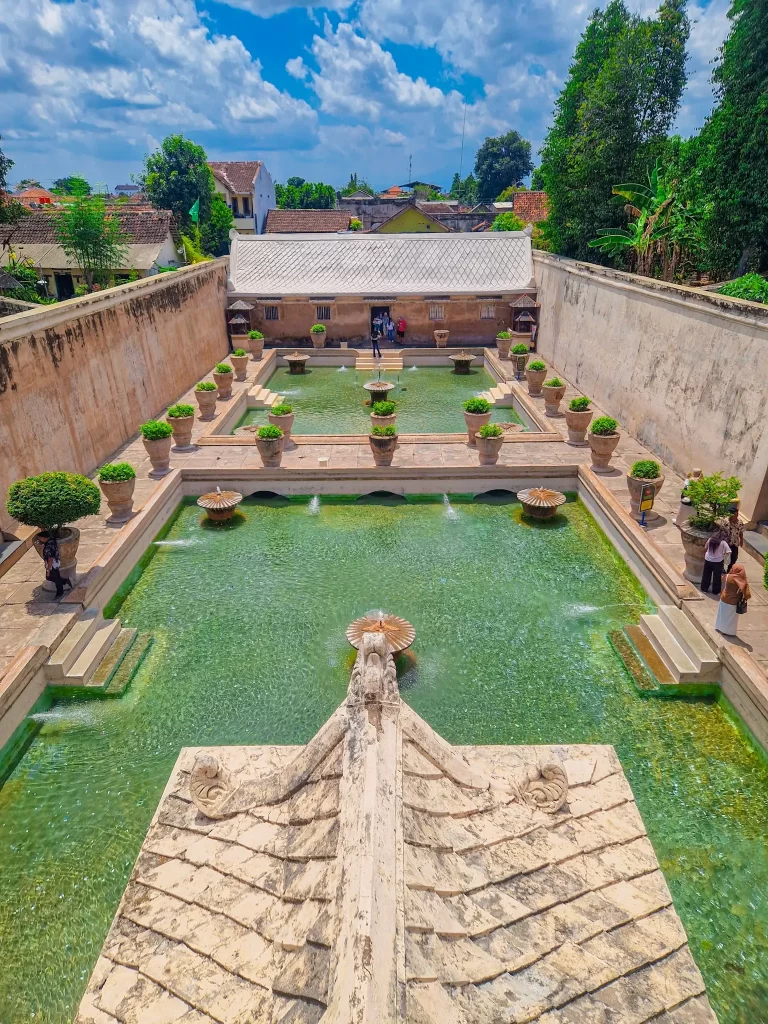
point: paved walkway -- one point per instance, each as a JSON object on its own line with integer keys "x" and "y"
{"x": 29, "y": 616}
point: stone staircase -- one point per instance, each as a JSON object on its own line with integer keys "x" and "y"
{"x": 390, "y": 362}
{"x": 672, "y": 648}
{"x": 264, "y": 398}
{"x": 96, "y": 654}
{"x": 500, "y": 394}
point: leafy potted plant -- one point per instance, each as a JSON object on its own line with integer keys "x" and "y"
{"x": 535, "y": 373}
{"x": 503, "y": 342}
{"x": 49, "y": 502}
{"x": 240, "y": 362}
{"x": 269, "y": 441}
{"x": 520, "y": 356}
{"x": 383, "y": 441}
{"x": 117, "y": 481}
{"x": 477, "y": 412}
{"x": 205, "y": 393}
{"x": 317, "y": 331}
{"x": 383, "y": 414}
{"x": 224, "y": 376}
{"x": 646, "y": 471}
{"x": 553, "y": 391}
{"x": 441, "y": 338}
{"x": 281, "y": 415}
{"x": 489, "y": 439}
{"x": 603, "y": 437}
{"x": 181, "y": 418}
{"x": 157, "y": 441}
{"x": 256, "y": 343}
{"x": 577, "y": 417}
{"x": 711, "y": 497}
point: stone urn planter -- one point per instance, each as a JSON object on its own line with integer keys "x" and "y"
{"x": 223, "y": 377}
{"x": 159, "y": 452}
{"x": 535, "y": 380}
{"x": 317, "y": 334}
{"x": 383, "y": 448}
{"x": 441, "y": 338}
{"x": 206, "y": 402}
{"x": 603, "y": 438}
{"x": 119, "y": 495}
{"x": 68, "y": 541}
{"x": 553, "y": 396}
{"x": 240, "y": 341}
{"x": 635, "y": 486}
{"x": 577, "y": 421}
{"x": 694, "y": 540}
{"x": 503, "y": 344}
{"x": 283, "y": 420}
{"x": 181, "y": 419}
{"x": 297, "y": 363}
{"x": 256, "y": 344}
{"x": 383, "y": 421}
{"x": 240, "y": 364}
{"x": 488, "y": 448}
{"x": 270, "y": 447}
{"x": 475, "y": 420}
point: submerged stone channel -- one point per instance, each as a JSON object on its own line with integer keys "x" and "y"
{"x": 511, "y": 647}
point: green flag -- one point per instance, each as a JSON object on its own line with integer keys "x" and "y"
{"x": 194, "y": 213}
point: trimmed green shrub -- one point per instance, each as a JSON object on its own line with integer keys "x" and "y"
{"x": 580, "y": 404}
{"x": 114, "y": 471}
{"x": 270, "y": 432}
{"x": 177, "y": 412}
{"x": 711, "y": 496}
{"x": 554, "y": 382}
{"x": 281, "y": 410}
{"x": 477, "y": 405}
{"x": 504, "y": 335}
{"x": 519, "y": 350}
{"x": 383, "y": 408}
{"x": 316, "y": 329}
{"x": 603, "y": 425}
{"x": 206, "y": 385}
{"x": 490, "y": 430}
{"x": 750, "y": 286}
{"x": 537, "y": 364}
{"x": 51, "y": 500}
{"x": 646, "y": 469}
{"x": 255, "y": 335}
{"x": 389, "y": 431}
{"x": 239, "y": 352}
{"x": 223, "y": 368}
{"x": 155, "y": 430}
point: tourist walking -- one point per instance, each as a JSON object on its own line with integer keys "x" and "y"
{"x": 53, "y": 565}
{"x": 401, "y": 325}
{"x": 735, "y": 531}
{"x": 733, "y": 600}
{"x": 714, "y": 559}
{"x": 391, "y": 329}
{"x": 375, "y": 344}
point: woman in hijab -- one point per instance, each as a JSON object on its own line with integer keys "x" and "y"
{"x": 733, "y": 600}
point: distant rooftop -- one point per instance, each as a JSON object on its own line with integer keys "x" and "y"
{"x": 236, "y": 175}
{"x": 306, "y": 221}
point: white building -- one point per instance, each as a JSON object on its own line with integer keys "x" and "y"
{"x": 248, "y": 191}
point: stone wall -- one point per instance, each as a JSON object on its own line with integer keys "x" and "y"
{"x": 78, "y": 378}
{"x": 684, "y": 371}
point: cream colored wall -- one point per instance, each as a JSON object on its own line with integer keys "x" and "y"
{"x": 684, "y": 372}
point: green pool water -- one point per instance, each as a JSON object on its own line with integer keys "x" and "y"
{"x": 329, "y": 400}
{"x": 511, "y": 646}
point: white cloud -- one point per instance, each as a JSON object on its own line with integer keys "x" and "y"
{"x": 296, "y": 68}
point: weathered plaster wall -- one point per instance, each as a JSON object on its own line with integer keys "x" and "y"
{"x": 684, "y": 372}
{"x": 77, "y": 379}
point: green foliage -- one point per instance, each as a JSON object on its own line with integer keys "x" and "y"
{"x": 580, "y": 404}
{"x": 240, "y": 352}
{"x": 269, "y": 433}
{"x": 255, "y": 335}
{"x": 214, "y": 231}
{"x": 537, "y": 365}
{"x": 490, "y": 430}
{"x": 206, "y": 385}
{"x": 711, "y": 496}
{"x": 317, "y": 329}
{"x": 646, "y": 469}
{"x": 477, "y": 406}
{"x": 465, "y": 190}
{"x": 24, "y": 272}
{"x": 50, "y": 500}
{"x": 296, "y": 181}
{"x": 603, "y": 425}
{"x": 383, "y": 408}
{"x": 176, "y": 176}
{"x": 223, "y": 368}
{"x": 72, "y": 185}
{"x": 504, "y": 335}
{"x": 155, "y": 430}
{"x": 750, "y": 286}
{"x": 26, "y": 183}
{"x": 554, "y": 382}
{"x": 355, "y": 224}
{"x": 282, "y": 409}
{"x": 356, "y": 184}
{"x": 308, "y": 195}
{"x": 180, "y": 411}
{"x": 92, "y": 238}
{"x": 115, "y": 471}
{"x": 507, "y": 195}
{"x": 507, "y": 221}
{"x": 502, "y": 162}
{"x": 389, "y": 431}
{"x": 520, "y": 349}
{"x": 11, "y": 210}
{"x": 192, "y": 251}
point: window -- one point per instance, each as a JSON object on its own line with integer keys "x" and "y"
{"x": 437, "y": 311}
{"x": 323, "y": 313}
{"x": 271, "y": 312}
{"x": 235, "y": 207}
{"x": 487, "y": 312}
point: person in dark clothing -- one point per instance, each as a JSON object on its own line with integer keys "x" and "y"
{"x": 375, "y": 344}
{"x": 714, "y": 558}
{"x": 53, "y": 565}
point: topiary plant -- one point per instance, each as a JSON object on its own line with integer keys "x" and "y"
{"x": 711, "y": 496}
{"x": 477, "y": 406}
{"x": 316, "y": 329}
{"x": 223, "y": 368}
{"x": 206, "y": 385}
{"x": 52, "y": 500}
{"x": 383, "y": 409}
{"x": 155, "y": 430}
{"x": 490, "y": 430}
{"x": 255, "y": 335}
{"x": 239, "y": 352}
{"x": 537, "y": 365}
{"x": 603, "y": 425}
{"x": 580, "y": 404}
{"x": 646, "y": 469}
{"x": 389, "y": 431}
{"x": 270, "y": 432}
{"x": 554, "y": 382}
{"x": 114, "y": 471}
{"x": 520, "y": 350}
{"x": 281, "y": 410}
{"x": 504, "y": 335}
{"x": 177, "y": 412}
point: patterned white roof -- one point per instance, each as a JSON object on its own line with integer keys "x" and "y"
{"x": 403, "y": 264}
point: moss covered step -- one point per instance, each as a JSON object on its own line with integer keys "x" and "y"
{"x": 111, "y": 661}
{"x": 123, "y": 676}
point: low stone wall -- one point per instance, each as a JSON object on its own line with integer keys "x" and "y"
{"x": 684, "y": 371}
{"x": 78, "y": 378}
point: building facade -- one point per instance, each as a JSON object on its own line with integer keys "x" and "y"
{"x": 248, "y": 191}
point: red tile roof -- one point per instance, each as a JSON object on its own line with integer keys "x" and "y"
{"x": 236, "y": 175}
{"x": 284, "y": 222}
{"x": 144, "y": 228}
{"x": 530, "y": 206}
{"x": 40, "y": 196}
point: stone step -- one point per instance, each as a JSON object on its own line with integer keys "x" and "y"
{"x": 129, "y": 665}
{"x": 669, "y": 650}
{"x": 70, "y": 648}
{"x": 691, "y": 640}
{"x": 649, "y": 656}
{"x": 93, "y": 652}
{"x": 756, "y": 543}
{"x": 112, "y": 660}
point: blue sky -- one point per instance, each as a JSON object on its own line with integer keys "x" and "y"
{"x": 91, "y": 86}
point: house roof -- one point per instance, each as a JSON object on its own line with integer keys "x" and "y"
{"x": 439, "y": 225}
{"x": 438, "y": 206}
{"x": 7, "y": 282}
{"x": 146, "y": 227}
{"x": 37, "y": 196}
{"x": 236, "y": 175}
{"x": 303, "y": 221}
{"x": 530, "y": 206}
{"x": 380, "y": 874}
{"x": 362, "y": 263}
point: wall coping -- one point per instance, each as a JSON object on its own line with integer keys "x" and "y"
{"x": 42, "y": 318}
{"x": 741, "y": 311}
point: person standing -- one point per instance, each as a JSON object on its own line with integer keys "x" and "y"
{"x": 375, "y": 342}
{"x": 390, "y": 329}
{"x": 735, "y": 530}
{"x": 377, "y": 325}
{"x": 733, "y": 600}
{"x": 714, "y": 559}
{"x": 53, "y": 565}
{"x": 401, "y": 325}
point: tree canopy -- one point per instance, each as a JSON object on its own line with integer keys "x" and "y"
{"x": 92, "y": 238}
{"x": 464, "y": 189}
{"x": 26, "y": 183}
{"x": 501, "y": 162}
{"x": 176, "y": 176}
{"x": 356, "y": 184}
{"x": 507, "y": 221}
{"x": 73, "y": 185}
{"x": 214, "y": 233}
{"x": 11, "y": 210}
{"x": 308, "y": 195}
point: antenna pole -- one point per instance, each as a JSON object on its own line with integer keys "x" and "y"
{"x": 463, "y": 126}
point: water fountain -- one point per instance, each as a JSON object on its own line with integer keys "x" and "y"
{"x": 378, "y": 389}
{"x": 220, "y": 505}
{"x": 462, "y": 362}
{"x": 540, "y": 502}
{"x": 297, "y": 362}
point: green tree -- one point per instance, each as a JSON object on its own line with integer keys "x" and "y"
{"x": 356, "y": 184}
{"x": 465, "y": 190}
{"x": 92, "y": 238}
{"x": 307, "y": 196}
{"x": 508, "y": 194}
{"x": 537, "y": 181}
{"x": 507, "y": 222}
{"x": 501, "y": 162}
{"x": 73, "y": 185}
{"x": 176, "y": 176}
{"x": 26, "y": 183}
{"x": 214, "y": 234}
{"x": 296, "y": 181}
{"x": 11, "y": 210}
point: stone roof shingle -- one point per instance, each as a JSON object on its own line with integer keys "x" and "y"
{"x": 236, "y": 175}
{"x": 306, "y": 221}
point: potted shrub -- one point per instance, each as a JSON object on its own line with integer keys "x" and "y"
{"x": 603, "y": 437}
{"x": 520, "y": 355}
{"x": 117, "y": 481}
{"x": 157, "y": 441}
{"x": 711, "y": 497}
{"x": 477, "y": 412}
{"x": 317, "y": 331}
{"x": 535, "y": 373}
{"x": 489, "y": 439}
{"x": 256, "y": 343}
{"x": 223, "y": 375}
{"x": 383, "y": 414}
{"x": 181, "y": 418}
{"x": 205, "y": 393}
{"x": 503, "y": 342}
{"x": 383, "y": 441}
{"x": 240, "y": 362}
{"x": 281, "y": 416}
{"x": 553, "y": 391}
{"x": 441, "y": 338}
{"x": 646, "y": 471}
{"x": 577, "y": 417}
{"x": 269, "y": 441}
{"x": 49, "y": 502}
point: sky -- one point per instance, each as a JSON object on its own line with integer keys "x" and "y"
{"x": 385, "y": 88}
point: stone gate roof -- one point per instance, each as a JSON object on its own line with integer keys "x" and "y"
{"x": 380, "y": 875}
